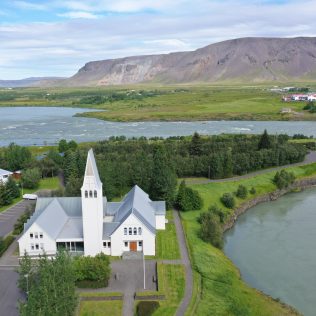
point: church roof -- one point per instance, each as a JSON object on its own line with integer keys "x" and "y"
{"x": 92, "y": 170}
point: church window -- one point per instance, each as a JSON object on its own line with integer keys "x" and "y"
{"x": 125, "y": 231}
{"x": 36, "y": 246}
{"x": 41, "y": 235}
{"x": 90, "y": 194}
{"x": 86, "y": 194}
{"x": 140, "y": 243}
{"x": 36, "y": 235}
{"x": 130, "y": 230}
{"x": 126, "y": 244}
{"x": 135, "y": 231}
{"x": 104, "y": 244}
{"x": 31, "y": 235}
{"x": 32, "y": 246}
{"x": 95, "y": 194}
{"x": 109, "y": 244}
{"x": 139, "y": 230}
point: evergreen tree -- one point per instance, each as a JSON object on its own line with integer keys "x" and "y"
{"x": 264, "y": 142}
{"x": 12, "y": 188}
{"x": 163, "y": 179}
{"x": 196, "y": 145}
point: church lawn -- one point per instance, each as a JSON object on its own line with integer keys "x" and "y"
{"x": 218, "y": 287}
{"x": 101, "y": 308}
{"x": 171, "y": 283}
{"x": 167, "y": 245}
{"x": 45, "y": 184}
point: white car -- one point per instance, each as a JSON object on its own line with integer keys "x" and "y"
{"x": 29, "y": 196}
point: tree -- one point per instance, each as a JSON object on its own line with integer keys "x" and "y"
{"x": 196, "y": 145}
{"x": 283, "y": 179}
{"x": 12, "y": 188}
{"x": 30, "y": 178}
{"x": 210, "y": 229}
{"x": 264, "y": 142}
{"x": 17, "y": 157}
{"x": 188, "y": 199}
{"x": 163, "y": 179}
{"x": 214, "y": 209}
{"x": 241, "y": 192}
{"x": 228, "y": 200}
{"x": 5, "y": 195}
{"x": 62, "y": 146}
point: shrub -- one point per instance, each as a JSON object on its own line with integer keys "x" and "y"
{"x": 188, "y": 199}
{"x": 253, "y": 190}
{"x": 92, "y": 271}
{"x": 228, "y": 200}
{"x": 146, "y": 308}
{"x": 217, "y": 211}
{"x": 242, "y": 192}
{"x": 210, "y": 229}
{"x": 31, "y": 178}
{"x": 19, "y": 225}
{"x": 5, "y": 243}
{"x": 283, "y": 179}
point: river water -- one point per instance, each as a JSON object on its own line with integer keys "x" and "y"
{"x": 47, "y": 125}
{"x": 274, "y": 246}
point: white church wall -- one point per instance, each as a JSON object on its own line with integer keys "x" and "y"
{"x": 161, "y": 222}
{"x": 35, "y": 242}
{"x": 119, "y": 238}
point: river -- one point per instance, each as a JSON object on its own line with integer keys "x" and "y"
{"x": 47, "y": 125}
{"x": 273, "y": 245}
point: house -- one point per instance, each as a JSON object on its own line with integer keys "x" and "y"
{"x": 4, "y": 175}
{"x": 90, "y": 224}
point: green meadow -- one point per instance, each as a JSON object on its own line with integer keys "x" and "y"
{"x": 165, "y": 103}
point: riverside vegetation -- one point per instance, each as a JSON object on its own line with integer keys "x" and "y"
{"x": 171, "y": 103}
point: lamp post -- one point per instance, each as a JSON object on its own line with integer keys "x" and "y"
{"x": 27, "y": 285}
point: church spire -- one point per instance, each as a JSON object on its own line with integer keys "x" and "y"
{"x": 91, "y": 172}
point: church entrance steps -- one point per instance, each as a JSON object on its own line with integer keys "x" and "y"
{"x": 132, "y": 255}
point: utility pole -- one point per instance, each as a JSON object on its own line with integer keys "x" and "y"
{"x": 144, "y": 270}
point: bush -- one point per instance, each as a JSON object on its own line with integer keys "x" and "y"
{"x": 253, "y": 190}
{"x": 211, "y": 230}
{"x": 92, "y": 271}
{"x": 242, "y": 192}
{"x": 228, "y": 200}
{"x": 146, "y": 308}
{"x": 5, "y": 243}
{"x": 188, "y": 199}
{"x": 31, "y": 178}
{"x": 214, "y": 209}
{"x": 283, "y": 179}
{"x": 19, "y": 225}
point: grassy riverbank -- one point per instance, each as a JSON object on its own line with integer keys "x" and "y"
{"x": 167, "y": 103}
{"x": 218, "y": 288}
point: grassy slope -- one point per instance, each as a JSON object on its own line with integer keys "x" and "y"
{"x": 196, "y": 103}
{"x": 218, "y": 288}
{"x": 101, "y": 308}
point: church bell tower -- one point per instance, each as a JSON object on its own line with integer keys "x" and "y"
{"x": 92, "y": 208}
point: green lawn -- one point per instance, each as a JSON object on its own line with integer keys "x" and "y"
{"x": 218, "y": 288}
{"x": 167, "y": 246}
{"x": 177, "y": 102}
{"x": 45, "y": 184}
{"x": 101, "y": 308}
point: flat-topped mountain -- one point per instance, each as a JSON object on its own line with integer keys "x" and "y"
{"x": 28, "y": 82}
{"x": 237, "y": 60}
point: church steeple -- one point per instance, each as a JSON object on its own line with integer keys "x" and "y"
{"x": 91, "y": 175}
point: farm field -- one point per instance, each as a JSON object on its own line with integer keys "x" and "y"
{"x": 165, "y": 103}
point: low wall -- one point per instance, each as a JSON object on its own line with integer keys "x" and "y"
{"x": 298, "y": 184}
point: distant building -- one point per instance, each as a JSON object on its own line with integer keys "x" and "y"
{"x": 4, "y": 175}
{"x": 90, "y": 224}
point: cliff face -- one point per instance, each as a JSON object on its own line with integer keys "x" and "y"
{"x": 238, "y": 60}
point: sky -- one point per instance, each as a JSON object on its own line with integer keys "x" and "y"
{"x": 57, "y": 37}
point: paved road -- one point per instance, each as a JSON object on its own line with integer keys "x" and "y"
{"x": 10, "y": 216}
{"x": 187, "y": 264}
{"x": 310, "y": 158}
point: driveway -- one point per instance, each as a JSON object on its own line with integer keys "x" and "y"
{"x": 10, "y": 216}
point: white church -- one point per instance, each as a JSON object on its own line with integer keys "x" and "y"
{"x": 90, "y": 224}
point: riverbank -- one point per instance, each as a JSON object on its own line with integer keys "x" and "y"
{"x": 218, "y": 287}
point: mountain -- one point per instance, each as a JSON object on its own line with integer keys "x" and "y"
{"x": 29, "y": 82}
{"x": 237, "y": 60}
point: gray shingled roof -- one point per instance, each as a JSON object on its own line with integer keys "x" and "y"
{"x": 137, "y": 202}
{"x": 72, "y": 229}
{"x": 109, "y": 228}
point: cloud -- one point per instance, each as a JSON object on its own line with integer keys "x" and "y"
{"x": 79, "y": 15}
{"x": 24, "y": 5}
{"x": 91, "y": 30}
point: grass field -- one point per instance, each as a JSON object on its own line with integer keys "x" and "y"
{"x": 213, "y": 102}
{"x": 101, "y": 308}
{"x": 218, "y": 288}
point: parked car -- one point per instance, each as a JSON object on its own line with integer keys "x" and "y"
{"x": 29, "y": 196}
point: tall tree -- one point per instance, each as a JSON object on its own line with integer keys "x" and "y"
{"x": 196, "y": 145}
{"x": 264, "y": 142}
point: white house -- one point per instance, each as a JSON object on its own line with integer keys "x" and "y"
{"x": 90, "y": 224}
{"x": 4, "y": 175}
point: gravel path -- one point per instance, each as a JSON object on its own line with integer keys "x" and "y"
{"x": 187, "y": 264}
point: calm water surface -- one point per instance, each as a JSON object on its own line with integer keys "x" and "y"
{"x": 274, "y": 246}
{"x": 47, "y": 125}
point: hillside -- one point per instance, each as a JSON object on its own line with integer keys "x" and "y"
{"x": 28, "y": 82}
{"x": 239, "y": 60}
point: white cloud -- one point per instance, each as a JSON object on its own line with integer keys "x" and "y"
{"x": 79, "y": 15}
{"x": 24, "y": 5}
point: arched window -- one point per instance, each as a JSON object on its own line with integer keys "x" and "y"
{"x": 125, "y": 231}
{"x": 135, "y": 231}
{"x": 86, "y": 194}
{"x": 90, "y": 194}
{"x": 139, "y": 230}
{"x": 95, "y": 193}
{"x": 130, "y": 230}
